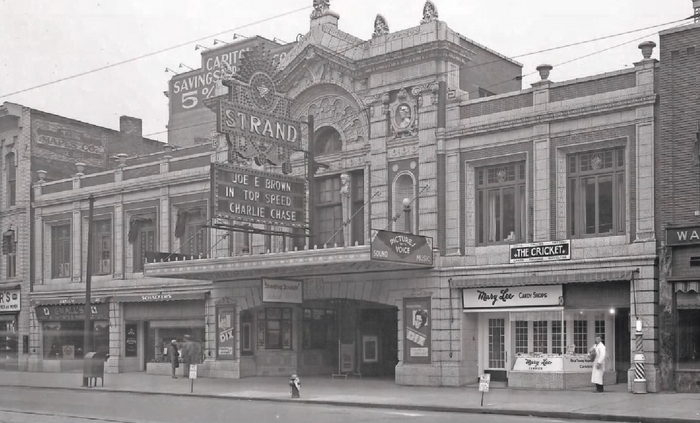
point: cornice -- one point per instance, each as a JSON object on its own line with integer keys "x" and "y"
{"x": 551, "y": 116}
{"x": 440, "y": 49}
{"x": 124, "y": 187}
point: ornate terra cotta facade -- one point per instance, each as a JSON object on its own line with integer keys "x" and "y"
{"x": 423, "y": 139}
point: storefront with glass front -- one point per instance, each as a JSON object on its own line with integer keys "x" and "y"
{"x": 539, "y": 336}
{"x": 62, "y": 333}
{"x": 9, "y": 333}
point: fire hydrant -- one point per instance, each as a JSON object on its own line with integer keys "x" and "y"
{"x": 295, "y": 384}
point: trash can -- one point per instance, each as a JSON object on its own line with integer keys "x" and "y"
{"x": 93, "y": 368}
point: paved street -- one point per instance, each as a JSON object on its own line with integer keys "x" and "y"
{"x": 25, "y": 405}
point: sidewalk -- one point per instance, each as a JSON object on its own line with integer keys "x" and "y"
{"x": 614, "y": 405}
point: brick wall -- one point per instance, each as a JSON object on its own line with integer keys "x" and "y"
{"x": 677, "y": 176}
{"x": 592, "y": 87}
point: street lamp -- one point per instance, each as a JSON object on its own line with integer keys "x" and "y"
{"x": 407, "y": 214}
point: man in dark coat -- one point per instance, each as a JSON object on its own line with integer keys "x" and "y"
{"x": 191, "y": 354}
{"x": 173, "y": 356}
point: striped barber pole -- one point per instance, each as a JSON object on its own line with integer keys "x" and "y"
{"x": 639, "y": 374}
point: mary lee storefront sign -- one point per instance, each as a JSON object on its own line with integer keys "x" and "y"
{"x": 254, "y": 196}
{"x": 402, "y": 247}
{"x": 540, "y": 251}
{"x": 511, "y": 297}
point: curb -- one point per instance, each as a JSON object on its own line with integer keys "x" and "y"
{"x": 567, "y": 415}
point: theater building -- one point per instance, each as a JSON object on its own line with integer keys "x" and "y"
{"x": 538, "y": 205}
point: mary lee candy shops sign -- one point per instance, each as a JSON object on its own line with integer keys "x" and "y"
{"x": 403, "y": 248}
{"x": 520, "y": 296}
{"x": 254, "y": 196}
{"x": 540, "y": 251}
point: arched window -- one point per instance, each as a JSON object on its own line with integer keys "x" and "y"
{"x": 404, "y": 188}
{"x": 11, "y": 178}
{"x": 327, "y": 141}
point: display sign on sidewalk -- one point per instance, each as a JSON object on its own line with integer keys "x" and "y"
{"x": 484, "y": 381}
{"x": 193, "y": 371}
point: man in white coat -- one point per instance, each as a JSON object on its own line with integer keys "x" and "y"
{"x": 598, "y": 364}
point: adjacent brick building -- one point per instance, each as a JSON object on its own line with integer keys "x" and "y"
{"x": 677, "y": 184}
{"x": 36, "y": 145}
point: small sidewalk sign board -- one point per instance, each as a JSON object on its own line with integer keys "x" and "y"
{"x": 192, "y": 376}
{"x": 484, "y": 381}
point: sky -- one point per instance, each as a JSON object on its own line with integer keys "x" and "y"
{"x": 42, "y": 41}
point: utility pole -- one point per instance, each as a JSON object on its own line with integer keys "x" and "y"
{"x": 87, "y": 329}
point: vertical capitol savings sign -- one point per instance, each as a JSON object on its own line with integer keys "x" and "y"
{"x": 403, "y": 248}
{"x": 254, "y": 196}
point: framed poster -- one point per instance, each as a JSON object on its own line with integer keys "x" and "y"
{"x": 417, "y": 324}
{"x": 131, "y": 341}
{"x": 370, "y": 349}
{"x": 225, "y": 332}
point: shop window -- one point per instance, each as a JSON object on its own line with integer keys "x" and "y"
{"x": 9, "y": 249}
{"x": 599, "y": 326}
{"x": 142, "y": 235}
{"x": 60, "y": 251}
{"x": 596, "y": 192}
{"x": 64, "y": 340}
{"x": 275, "y": 328}
{"x": 558, "y": 337}
{"x": 318, "y": 328}
{"x": 11, "y": 177}
{"x": 9, "y": 338}
{"x": 688, "y": 339}
{"x": 501, "y": 203}
{"x": 539, "y": 336}
{"x": 521, "y": 337}
{"x": 102, "y": 255}
{"x": 246, "y": 333}
{"x": 581, "y": 336}
{"x": 190, "y": 230}
{"x": 688, "y": 330}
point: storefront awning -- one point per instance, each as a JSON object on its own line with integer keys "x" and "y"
{"x": 294, "y": 264}
{"x": 686, "y": 285}
{"x": 160, "y": 296}
{"x": 540, "y": 278}
{"x": 67, "y": 300}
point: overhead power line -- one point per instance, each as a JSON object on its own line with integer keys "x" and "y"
{"x": 481, "y": 64}
{"x": 152, "y": 53}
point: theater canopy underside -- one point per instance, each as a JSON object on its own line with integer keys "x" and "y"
{"x": 296, "y": 264}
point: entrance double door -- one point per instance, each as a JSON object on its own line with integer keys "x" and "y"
{"x": 495, "y": 333}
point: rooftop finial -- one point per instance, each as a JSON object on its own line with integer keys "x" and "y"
{"x": 320, "y": 8}
{"x": 381, "y": 27}
{"x": 430, "y": 12}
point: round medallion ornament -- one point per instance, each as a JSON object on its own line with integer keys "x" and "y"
{"x": 262, "y": 91}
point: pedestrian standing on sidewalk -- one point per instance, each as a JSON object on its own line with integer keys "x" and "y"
{"x": 598, "y": 353}
{"x": 174, "y": 357}
{"x": 191, "y": 354}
